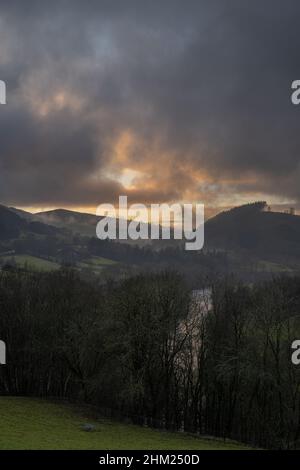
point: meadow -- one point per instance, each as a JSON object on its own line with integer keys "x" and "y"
{"x": 35, "y": 424}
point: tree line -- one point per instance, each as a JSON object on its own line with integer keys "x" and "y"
{"x": 216, "y": 361}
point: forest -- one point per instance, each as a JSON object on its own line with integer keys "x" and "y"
{"x": 213, "y": 361}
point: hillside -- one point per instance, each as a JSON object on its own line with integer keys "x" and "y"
{"x": 77, "y": 222}
{"x": 81, "y": 223}
{"x": 13, "y": 225}
{"x": 36, "y": 424}
{"x": 47, "y": 240}
{"x": 253, "y": 229}
{"x": 10, "y": 224}
{"x": 245, "y": 228}
{"x": 247, "y": 240}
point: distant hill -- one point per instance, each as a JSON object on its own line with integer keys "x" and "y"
{"x": 11, "y": 224}
{"x": 249, "y": 227}
{"x": 63, "y": 237}
{"x": 25, "y": 215}
{"x": 247, "y": 240}
{"x": 254, "y": 229}
{"x": 84, "y": 224}
{"x": 79, "y": 223}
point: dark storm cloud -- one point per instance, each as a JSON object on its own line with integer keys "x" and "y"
{"x": 194, "y": 96}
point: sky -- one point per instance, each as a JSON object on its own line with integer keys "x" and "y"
{"x": 162, "y": 101}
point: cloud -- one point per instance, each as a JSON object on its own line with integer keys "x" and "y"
{"x": 192, "y": 99}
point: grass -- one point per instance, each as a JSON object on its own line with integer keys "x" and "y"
{"x": 96, "y": 261}
{"x": 272, "y": 267}
{"x": 96, "y": 264}
{"x": 38, "y": 424}
{"x": 32, "y": 262}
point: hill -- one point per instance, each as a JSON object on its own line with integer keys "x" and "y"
{"x": 47, "y": 240}
{"x": 253, "y": 229}
{"x": 247, "y": 240}
{"x": 36, "y": 424}
{"x": 12, "y": 224}
{"x": 248, "y": 228}
{"x": 77, "y": 222}
{"x": 81, "y": 223}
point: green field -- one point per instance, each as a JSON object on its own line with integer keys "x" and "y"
{"x": 94, "y": 263}
{"x": 97, "y": 262}
{"x": 271, "y": 267}
{"x": 32, "y": 262}
{"x": 38, "y": 424}
{"x": 100, "y": 261}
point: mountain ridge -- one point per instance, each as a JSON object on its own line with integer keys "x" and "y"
{"x": 235, "y": 239}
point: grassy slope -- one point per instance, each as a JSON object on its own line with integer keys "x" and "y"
{"x": 35, "y": 263}
{"x": 32, "y": 262}
{"x": 100, "y": 261}
{"x": 97, "y": 263}
{"x": 36, "y": 424}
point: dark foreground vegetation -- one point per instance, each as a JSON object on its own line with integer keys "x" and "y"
{"x": 217, "y": 362}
